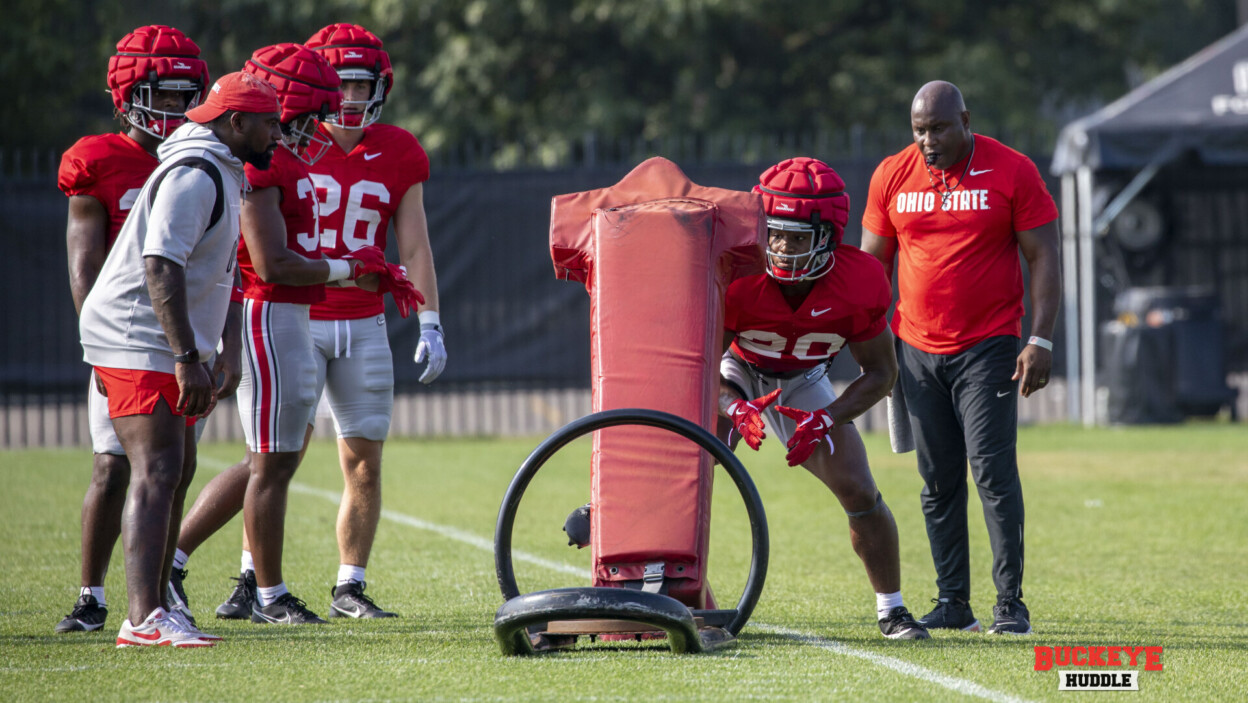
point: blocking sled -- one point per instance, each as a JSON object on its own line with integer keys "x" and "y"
{"x": 656, "y": 253}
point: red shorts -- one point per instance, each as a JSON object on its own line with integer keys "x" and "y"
{"x": 134, "y": 392}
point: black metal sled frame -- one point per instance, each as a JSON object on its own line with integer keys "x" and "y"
{"x": 519, "y": 614}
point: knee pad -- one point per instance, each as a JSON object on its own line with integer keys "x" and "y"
{"x": 879, "y": 501}
{"x": 373, "y": 428}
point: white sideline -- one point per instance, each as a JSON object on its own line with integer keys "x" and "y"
{"x": 957, "y": 685}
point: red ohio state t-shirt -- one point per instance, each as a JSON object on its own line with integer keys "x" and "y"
{"x": 288, "y": 174}
{"x": 959, "y": 278}
{"x": 359, "y": 193}
{"x": 111, "y": 168}
{"x": 848, "y": 304}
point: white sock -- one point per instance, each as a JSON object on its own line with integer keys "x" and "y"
{"x": 96, "y": 592}
{"x": 270, "y": 594}
{"x": 885, "y": 602}
{"x": 180, "y": 558}
{"x": 349, "y": 572}
{"x": 247, "y": 563}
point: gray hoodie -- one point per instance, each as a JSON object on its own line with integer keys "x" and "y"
{"x": 118, "y": 325}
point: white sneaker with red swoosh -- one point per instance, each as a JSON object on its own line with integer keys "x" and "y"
{"x": 159, "y": 630}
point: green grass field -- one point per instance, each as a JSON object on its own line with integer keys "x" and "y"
{"x": 1135, "y": 537}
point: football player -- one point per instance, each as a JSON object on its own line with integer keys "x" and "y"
{"x": 154, "y": 78}
{"x": 372, "y": 174}
{"x": 283, "y": 274}
{"x": 782, "y": 330}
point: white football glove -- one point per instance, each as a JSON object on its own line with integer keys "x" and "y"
{"x": 431, "y": 348}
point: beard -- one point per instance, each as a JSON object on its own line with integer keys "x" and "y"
{"x": 261, "y": 159}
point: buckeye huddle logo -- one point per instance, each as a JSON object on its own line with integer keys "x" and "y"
{"x": 1097, "y": 676}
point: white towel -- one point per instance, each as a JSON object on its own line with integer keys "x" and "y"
{"x": 900, "y": 434}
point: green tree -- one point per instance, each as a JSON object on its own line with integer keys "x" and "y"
{"x": 529, "y": 80}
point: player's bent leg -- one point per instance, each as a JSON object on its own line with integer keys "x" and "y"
{"x": 217, "y": 503}
{"x": 873, "y": 532}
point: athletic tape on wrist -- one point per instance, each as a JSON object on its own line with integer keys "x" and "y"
{"x": 1041, "y": 342}
{"x": 339, "y": 269}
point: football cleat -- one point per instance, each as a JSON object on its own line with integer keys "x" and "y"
{"x": 901, "y": 625}
{"x": 238, "y": 605}
{"x": 177, "y": 595}
{"x": 87, "y": 616}
{"x": 286, "y": 610}
{"x": 350, "y": 602}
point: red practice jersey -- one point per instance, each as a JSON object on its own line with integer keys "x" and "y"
{"x": 111, "y": 168}
{"x": 288, "y": 174}
{"x": 848, "y": 304}
{"x": 359, "y": 193}
{"x": 959, "y": 278}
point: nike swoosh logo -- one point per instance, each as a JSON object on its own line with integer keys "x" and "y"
{"x": 370, "y": 157}
{"x": 817, "y": 313}
{"x": 1002, "y": 394}
{"x": 786, "y": 207}
{"x": 276, "y": 621}
{"x": 973, "y": 171}
{"x": 150, "y": 638}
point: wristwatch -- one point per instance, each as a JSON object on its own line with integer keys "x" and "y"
{"x": 189, "y": 357}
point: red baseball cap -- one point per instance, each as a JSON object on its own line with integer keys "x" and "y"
{"x": 239, "y": 91}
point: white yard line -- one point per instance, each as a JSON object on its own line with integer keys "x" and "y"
{"x": 953, "y": 683}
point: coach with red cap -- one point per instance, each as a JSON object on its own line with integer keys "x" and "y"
{"x": 157, "y": 312}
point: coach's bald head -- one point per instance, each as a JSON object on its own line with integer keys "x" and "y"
{"x": 941, "y": 124}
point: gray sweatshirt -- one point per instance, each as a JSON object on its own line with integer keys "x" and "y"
{"x": 118, "y": 325}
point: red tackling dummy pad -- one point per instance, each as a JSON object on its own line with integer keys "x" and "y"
{"x": 656, "y": 253}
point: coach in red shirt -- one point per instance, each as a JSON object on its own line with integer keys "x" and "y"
{"x": 954, "y": 209}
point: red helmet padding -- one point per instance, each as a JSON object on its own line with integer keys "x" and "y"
{"x": 304, "y": 79}
{"x": 796, "y": 188}
{"x": 165, "y": 50}
{"x": 352, "y": 46}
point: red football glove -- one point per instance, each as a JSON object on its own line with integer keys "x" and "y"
{"x": 366, "y": 260}
{"x": 812, "y": 428}
{"x": 393, "y": 280}
{"x": 747, "y": 418}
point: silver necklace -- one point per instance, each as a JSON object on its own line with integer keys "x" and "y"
{"x": 948, "y": 192}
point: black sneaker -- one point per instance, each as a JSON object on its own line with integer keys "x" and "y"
{"x": 238, "y": 605}
{"x": 1010, "y": 617}
{"x": 177, "y": 595}
{"x": 286, "y": 610}
{"x": 87, "y": 616}
{"x": 350, "y": 602}
{"x": 901, "y": 625}
{"x": 950, "y": 614}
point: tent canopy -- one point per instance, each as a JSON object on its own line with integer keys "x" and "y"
{"x": 1199, "y": 105}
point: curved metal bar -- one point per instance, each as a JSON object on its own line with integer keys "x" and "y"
{"x": 652, "y": 418}
{"x": 661, "y": 611}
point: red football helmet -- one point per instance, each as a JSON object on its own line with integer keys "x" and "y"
{"x": 804, "y": 195}
{"x": 308, "y": 87}
{"x": 357, "y": 55}
{"x": 155, "y": 58}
